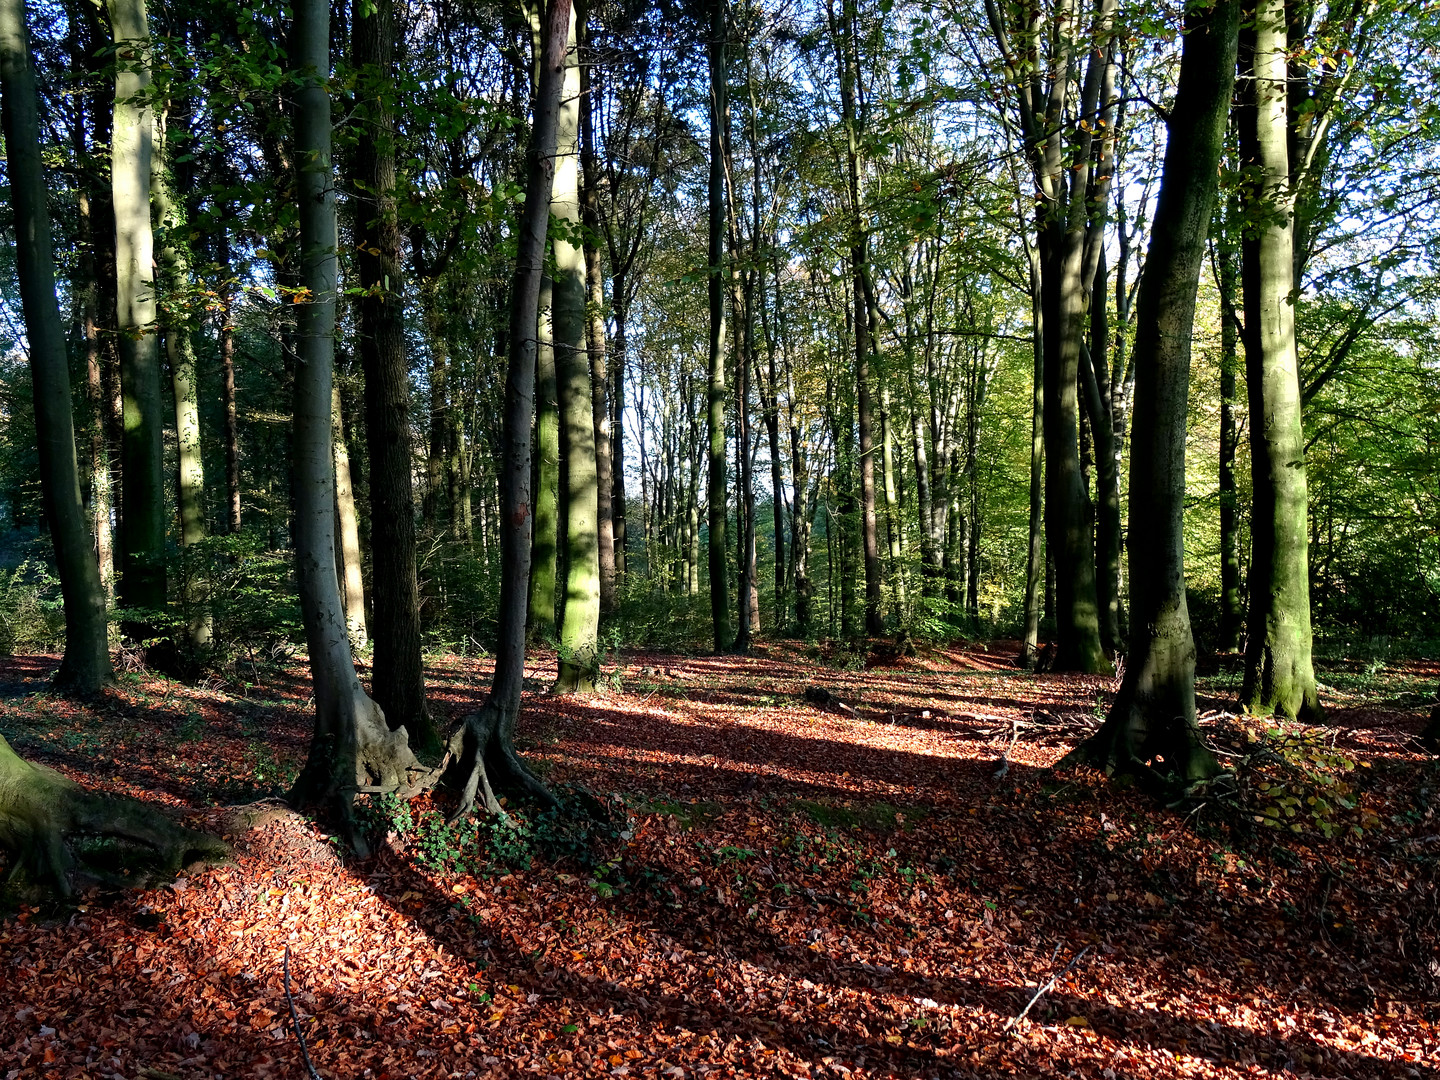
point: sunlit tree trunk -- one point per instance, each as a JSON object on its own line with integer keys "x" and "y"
{"x": 580, "y": 615}
{"x": 715, "y": 387}
{"x": 1151, "y": 728}
{"x": 352, "y": 746}
{"x": 1232, "y": 612}
{"x": 1279, "y": 676}
{"x": 142, "y": 535}
{"x": 1035, "y": 548}
{"x": 173, "y": 259}
{"x": 86, "y": 667}
{"x": 352, "y": 582}
{"x": 485, "y": 746}
{"x": 546, "y": 467}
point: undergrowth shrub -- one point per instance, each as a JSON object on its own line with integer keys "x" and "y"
{"x": 32, "y": 613}
{"x": 460, "y": 597}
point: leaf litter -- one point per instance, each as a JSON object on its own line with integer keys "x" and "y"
{"x": 787, "y": 890}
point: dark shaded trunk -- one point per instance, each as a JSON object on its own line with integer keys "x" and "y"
{"x": 1232, "y": 610}
{"x": 1151, "y": 729}
{"x": 86, "y": 666}
{"x": 715, "y": 386}
{"x": 398, "y": 674}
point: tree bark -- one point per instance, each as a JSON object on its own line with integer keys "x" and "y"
{"x": 485, "y": 745}
{"x": 1232, "y": 611}
{"x": 1279, "y": 675}
{"x": 227, "y": 387}
{"x": 1151, "y": 729}
{"x": 595, "y": 339}
{"x": 352, "y": 580}
{"x": 580, "y": 616}
{"x": 174, "y": 261}
{"x": 715, "y": 387}
{"x": 398, "y": 674}
{"x": 142, "y": 533}
{"x": 352, "y": 746}
{"x": 1035, "y": 548}
{"x": 86, "y": 667}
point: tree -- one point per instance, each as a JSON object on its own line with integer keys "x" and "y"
{"x": 352, "y": 747}
{"x": 142, "y": 532}
{"x": 715, "y": 278}
{"x": 45, "y": 818}
{"x": 1066, "y": 158}
{"x": 1279, "y": 675}
{"x": 1153, "y": 716}
{"x": 580, "y": 615}
{"x": 484, "y": 748}
{"x": 398, "y": 681}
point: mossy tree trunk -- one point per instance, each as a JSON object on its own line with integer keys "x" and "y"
{"x": 1151, "y": 728}
{"x": 1279, "y": 674}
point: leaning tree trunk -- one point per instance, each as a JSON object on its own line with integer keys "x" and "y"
{"x": 1151, "y": 729}
{"x": 51, "y": 824}
{"x": 715, "y": 414}
{"x": 485, "y": 746}
{"x": 353, "y": 748}
{"x": 86, "y": 667}
{"x": 1279, "y": 675}
{"x": 398, "y": 680}
{"x": 580, "y": 616}
{"x": 142, "y": 524}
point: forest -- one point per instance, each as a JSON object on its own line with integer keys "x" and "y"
{"x": 858, "y": 538}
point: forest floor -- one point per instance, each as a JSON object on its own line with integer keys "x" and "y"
{"x": 786, "y": 889}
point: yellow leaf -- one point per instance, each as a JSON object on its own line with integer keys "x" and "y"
{"x": 1077, "y": 1022}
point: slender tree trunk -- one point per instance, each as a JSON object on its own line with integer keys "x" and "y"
{"x": 1095, "y": 370}
{"x": 485, "y": 746}
{"x": 99, "y": 464}
{"x": 892, "y": 512}
{"x": 1232, "y": 612}
{"x": 439, "y": 445}
{"x": 351, "y": 580}
{"x": 595, "y": 339}
{"x": 398, "y": 674}
{"x": 1151, "y": 728}
{"x": 715, "y": 414}
{"x": 619, "y": 313}
{"x": 1279, "y": 676}
{"x": 1035, "y": 549}
{"x": 227, "y": 387}
{"x": 173, "y": 259}
{"x": 86, "y": 667}
{"x": 352, "y": 746}
{"x": 580, "y": 618}
{"x": 142, "y": 537}
{"x": 546, "y": 533}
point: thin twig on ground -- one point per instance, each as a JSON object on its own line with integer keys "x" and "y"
{"x": 1045, "y": 988}
{"x": 295, "y": 1021}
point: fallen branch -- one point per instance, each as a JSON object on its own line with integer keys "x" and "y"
{"x": 295, "y": 1021}
{"x": 1045, "y": 988}
{"x": 1005, "y": 756}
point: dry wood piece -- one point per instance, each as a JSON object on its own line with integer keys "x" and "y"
{"x": 818, "y": 695}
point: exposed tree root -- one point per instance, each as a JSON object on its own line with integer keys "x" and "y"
{"x": 65, "y": 837}
{"x": 482, "y": 761}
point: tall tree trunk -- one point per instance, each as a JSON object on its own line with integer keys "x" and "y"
{"x": 1035, "y": 549}
{"x": 99, "y": 456}
{"x": 439, "y": 442}
{"x": 352, "y": 745}
{"x": 142, "y": 536}
{"x": 398, "y": 677}
{"x": 1279, "y": 676}
{"x": 227, "y": 385}
{"x": 485, "y": 746}
{"x": 546, "y": 467}
{"x": 86, "y": 667}
{"x": 715, "y": 387}
{"x": 580, "y": 617}
{"x": 173, "y": 259}
{"x": 1095, "y": 372}
{"x": 352, "y": 592}
{"x": 1151, "y": 728}
{"x": 1232, "y": 611}
{"x": 595, "y": 339}
{"x": 619, "y": 313}
{"x": 893, "y": 527}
